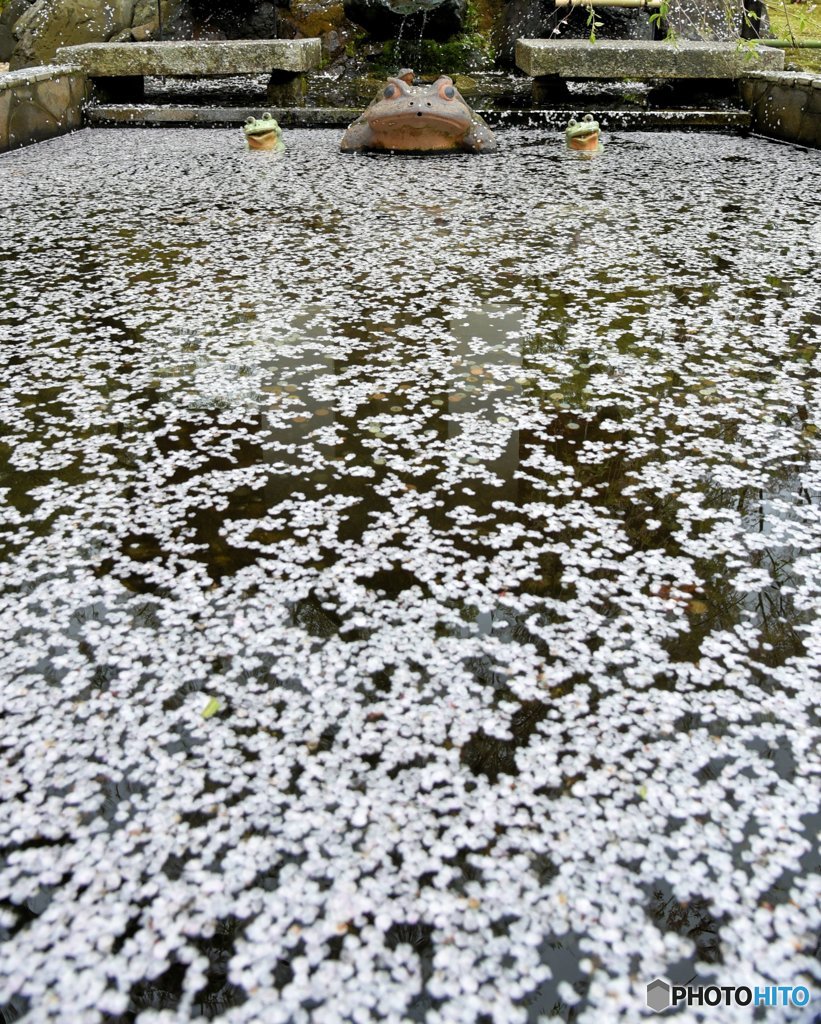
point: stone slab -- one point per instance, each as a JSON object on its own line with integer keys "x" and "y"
{"x": 641, "y": 59}
{"x": 190, "y": 58}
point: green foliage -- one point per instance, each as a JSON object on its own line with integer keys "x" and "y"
{"x": 797, "y": 21}
{"x": 471, "y": 21}
{"x": 657, "y": 18}
{"x": 593, "y": 22}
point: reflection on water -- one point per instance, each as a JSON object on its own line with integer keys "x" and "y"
{"x": 483, "y": 495}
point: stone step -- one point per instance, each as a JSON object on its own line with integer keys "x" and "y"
{"x": 120, "y": 115}
{"x": 642, "y": 59}
{"x": 146, "y": 116}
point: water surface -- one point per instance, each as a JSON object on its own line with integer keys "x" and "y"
{"x": 483, "y": 495}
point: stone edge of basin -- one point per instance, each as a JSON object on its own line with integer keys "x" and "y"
{"x": 784, "y": 105}
{"x": 157, "y": 115}
{"x": 41, "y": 73}
{"x": 40, "y": 103}
{"x": 642, "y": 59}
{"x": 187, "y": 57}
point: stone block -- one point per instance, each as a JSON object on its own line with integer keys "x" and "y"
{"x": 5, "y": 112}
{"x": 640, "y": 59}
{"x": 785, "y": 112}
{"x": 814, "y": 102}
{"x": 286, "y": 90}
{"x": 30, "y": 123}
{"x": 54, "y": 96}
{"x": 79, "y": 90}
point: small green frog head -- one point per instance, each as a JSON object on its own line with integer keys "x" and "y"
{"x": 582, "y": 134}
{"x": 263, "y": 133}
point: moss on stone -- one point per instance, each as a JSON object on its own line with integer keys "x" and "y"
{"x": 484, "y": 16}
{"x": 462, "y": 53}
{"x": 313, "y": 19}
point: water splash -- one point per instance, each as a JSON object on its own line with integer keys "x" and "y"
{"x": 408, "y": 7}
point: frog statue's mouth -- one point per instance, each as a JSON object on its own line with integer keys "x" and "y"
{"x": 408, "y": 126}
{"x": 416, "y": 118}
{"x": 582, "y": 134}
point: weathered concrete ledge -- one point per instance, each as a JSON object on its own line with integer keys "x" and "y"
{"x": 785, "y": 105}
{"x": 222, "y": 57}
{"x": 40, "y": 103}
{"x": 168, "y": 116}
{"x": 641, "y": 59}
{"x": 150, "y": 116}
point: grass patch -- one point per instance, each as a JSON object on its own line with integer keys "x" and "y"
{"x": 797, "y": 21}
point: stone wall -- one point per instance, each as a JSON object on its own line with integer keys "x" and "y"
{"x": 39, "y": 103}
{"x": 785, "y": 105}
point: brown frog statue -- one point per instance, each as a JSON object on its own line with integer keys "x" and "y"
{"x": 419, "y": 119}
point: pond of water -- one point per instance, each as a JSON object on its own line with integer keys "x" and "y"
{"x": 411, "y": 575}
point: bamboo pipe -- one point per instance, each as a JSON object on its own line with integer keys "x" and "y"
{"x": 787, "y": 44}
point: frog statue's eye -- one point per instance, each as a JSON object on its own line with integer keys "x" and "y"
{"x": 446, "y": 89}
{"x": 572, "y": 122}
{"x": 588, "y": 117}
{"x": 390, "y": 92}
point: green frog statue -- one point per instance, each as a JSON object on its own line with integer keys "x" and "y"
{"x": 263, "y": 133}
{"x": 430, "y": 118}
{"x": 583, "y": 136}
